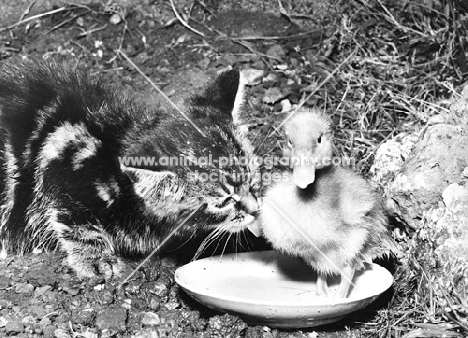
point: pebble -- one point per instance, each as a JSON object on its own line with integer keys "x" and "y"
{"x": 24, "y": 288}
{"x": 150, "y": 318}
{"x": 272, "y": 95}
{"x": 14, "y": 327}
{"x": 48, "y": 331}
{"x": 253, "y": 76}
{"x": 115, "y": 19}
{"x": 276, "y": 51}
{"x": 465, "y": 172}
{"x": 155, "y": 303}
{"x": 111, "y": 318}
{"x": 61, "y": 333}
{"x": 41, "y": 290}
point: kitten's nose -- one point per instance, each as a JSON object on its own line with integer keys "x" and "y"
{"x": 249, "y": 205}
{"x": 303, "y": 175}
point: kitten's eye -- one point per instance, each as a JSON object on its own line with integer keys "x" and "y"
{"x": 289, "y": 143}
{"x": 319, "y": 140}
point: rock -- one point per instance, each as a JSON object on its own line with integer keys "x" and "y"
{"x": 276, "y": 51}
{"x": 61, "y": 333}
{"x": 425, "y": 181}
{"x": 150, "y": 318}
{"x": 455, "y": 198}
{"x": 111, "y": 318}
{"x": 48, "y": 331}
{"x": 465, "y": 173}
{"x": 437, "y": 159}
{"x": 37, "y": 311}
{"x": 42, "y": 290}
{"x": 24, "y": 288}
{"x": 115, "y": 19}
{"x": 14, "y": 327}
{"x": 84, "y": 317}
{"x": 28, "y": 320}
{"x": 273, "y": 95}
{"x": 252, "y": 76}
{"x": 154, "y": 303}
{"x": 390, "y": 157}
{"x": 4, "y": 282}
{"x": 146, "y": 333}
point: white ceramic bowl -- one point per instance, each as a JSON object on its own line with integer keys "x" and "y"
{"x": 268, "y": 288}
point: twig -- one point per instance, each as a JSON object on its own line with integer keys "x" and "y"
{"x": 284, "y": 37}
{"x": 19, "y": 23}
{"x": 28, "y": 10}
{"x": 396, "y": 23}
{"x": 182, "y": 21}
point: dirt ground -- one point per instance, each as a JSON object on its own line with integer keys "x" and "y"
{"x": 39, "y": 295}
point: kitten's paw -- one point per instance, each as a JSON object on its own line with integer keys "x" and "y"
{"x": 106, "y": 266}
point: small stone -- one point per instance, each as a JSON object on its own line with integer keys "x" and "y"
{"x": 28, "y": 320}
{"x": 41, "y": 290}
{"x": 272, "y": 95}
{"x": 455, "y": 197}
{"x": 80, "y": 21}
{"x": 24, "y": 288}
{"x": 72, "y": 291}
{"x": 14, "y": 327}
{"x": 154, "y": 303}
{"x": 171, "y": 305}
{"x": 285, "y": 105}
{"x": 84, "y": 317}
{"x": 146, "y": 334}
{"x": 465, "y": 172}
{"x": 37, "y": 311}
{"x": 204, "y": 63}
{"x": 111, "y": 318}
{"x": 276, "y": 51}
{"x": 252, "y": 77}
{"x": 3, "y": 321}
{"x": 150, "y": 318}
{"x": 115, "y": 19}
{"x": 159, "y": 289}
{"x": 4, "y": 282}
{"x": 61, "y": 333}
{"x": 48, "y": 331}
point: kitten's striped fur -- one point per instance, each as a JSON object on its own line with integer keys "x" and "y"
{"x": 61, "y": 182}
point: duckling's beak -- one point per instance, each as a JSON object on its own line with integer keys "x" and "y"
{"x": 303, "y": 175}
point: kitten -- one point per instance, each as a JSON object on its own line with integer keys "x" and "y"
{"x": 65, "y": 179}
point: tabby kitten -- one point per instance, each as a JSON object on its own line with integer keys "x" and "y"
{"x": 63, "y": 181}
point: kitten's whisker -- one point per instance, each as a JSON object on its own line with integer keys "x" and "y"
{"x": 226, "y": 244}
{"x": 210, "y": 238}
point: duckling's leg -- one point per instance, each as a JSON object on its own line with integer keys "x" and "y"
{"x": 322, "y": 285}
{"x": 347, "y": 274}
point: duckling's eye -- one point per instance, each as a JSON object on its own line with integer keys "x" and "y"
{"x": 319, "y": 140}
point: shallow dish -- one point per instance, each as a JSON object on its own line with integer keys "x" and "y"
{"x": 268, "y": 288}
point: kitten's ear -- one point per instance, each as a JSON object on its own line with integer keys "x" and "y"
{"x": 229, "y": 95}
{"x": 239, "y": 114}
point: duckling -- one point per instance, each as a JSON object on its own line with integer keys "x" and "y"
{"x": 326, "y": 214}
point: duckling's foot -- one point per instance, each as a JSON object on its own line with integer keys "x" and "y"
{"x": 322, "y": 285}
{"x": 347, "y": 274}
